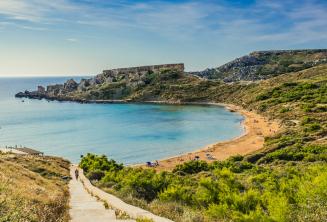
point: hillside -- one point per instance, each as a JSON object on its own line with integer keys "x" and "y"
{"x": 285, "y": 181}
{"x": 161, "y": 81}
{"x": 266, "y": 64}
{"x": 33, "y": 188}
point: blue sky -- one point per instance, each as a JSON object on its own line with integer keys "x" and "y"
{"x": 78, "y": 37}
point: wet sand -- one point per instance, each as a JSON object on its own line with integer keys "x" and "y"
{"x": 256, "y": 128}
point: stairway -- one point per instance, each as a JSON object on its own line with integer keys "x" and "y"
{"x": 85, "y": 207}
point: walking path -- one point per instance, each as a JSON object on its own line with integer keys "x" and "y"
{"x": 85, "y": 208}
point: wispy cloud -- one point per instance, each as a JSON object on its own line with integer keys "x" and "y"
{"x": 265, "y": 20}
{"x": 297, "y": 23}
{"x": 72, "y": 40}
{"x": 35, "y": 11}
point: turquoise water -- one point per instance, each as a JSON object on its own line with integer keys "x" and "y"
{"x": 129, "y": 133}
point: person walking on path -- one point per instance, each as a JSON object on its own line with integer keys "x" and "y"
{"x": 76, "y": 174}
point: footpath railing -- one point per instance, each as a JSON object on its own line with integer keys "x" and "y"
{"x": 116, "y": 203}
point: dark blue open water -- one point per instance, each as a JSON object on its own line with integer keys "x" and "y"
{"x": 129, "y": 133}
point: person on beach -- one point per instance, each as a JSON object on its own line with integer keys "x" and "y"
{"x": 76, "y": 174}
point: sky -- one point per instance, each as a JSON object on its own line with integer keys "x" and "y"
{"x": 84, "y": 37}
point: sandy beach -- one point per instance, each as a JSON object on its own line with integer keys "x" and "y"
{"x": 256, "y": 128}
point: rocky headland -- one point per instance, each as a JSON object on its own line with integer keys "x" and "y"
{"x": 132, "y": 77}
{"x": 170, "y": 83}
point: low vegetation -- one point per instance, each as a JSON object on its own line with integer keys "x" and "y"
{"x": 285, "y": 181}
{"x": 33, "y": 188}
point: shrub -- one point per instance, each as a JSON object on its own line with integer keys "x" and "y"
{"x": 169, "y": 74}
{"x": 283, "y": 154}
{"x": 313, "y": 127}
{"x": 308, "y": 107}
{"x": 95, "y": 175}
{"x": 315, "y": 149}
{"x": 191, "y": 167}
{"x": 177, "y": 193}
{"x": 239, "y": 167}
{"x": 306, "y": 120}
{"x": 235, "y": 158}
{"x": 284, "y": 110}
{"x": 142, "y": 219}
{"x": 92, "y": 162}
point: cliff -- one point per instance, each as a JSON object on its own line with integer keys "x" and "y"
{"x": 117, "y": 79}
{"x": 260, "y": 65}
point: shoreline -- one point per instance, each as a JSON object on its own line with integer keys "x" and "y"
{"x": 256, "y": 128}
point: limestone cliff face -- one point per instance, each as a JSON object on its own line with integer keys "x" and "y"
{"x": 135, "y": 76}
{"x": 266, "y": 64}
{"x": 143, "y": 69}
{"x": 118, "y": 78}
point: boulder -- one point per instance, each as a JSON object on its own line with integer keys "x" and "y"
{"x": 83, "y": 84}
{"x": 41, "y": 89}
{"x": 70, "y": 85}
{"x": 54, "y": 90}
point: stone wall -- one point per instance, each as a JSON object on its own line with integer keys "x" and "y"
{"x": 142, "y": 69}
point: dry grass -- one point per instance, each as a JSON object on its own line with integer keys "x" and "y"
{"x": 33, "y": 188}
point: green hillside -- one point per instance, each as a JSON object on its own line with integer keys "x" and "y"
{"x": 285, "y": 181}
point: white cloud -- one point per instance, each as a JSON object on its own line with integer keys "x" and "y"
{"x": 34, "y": 10}
{"x": 265, "y": 20}
{"x": 72, "y": 40}
{"x": 308, "y": 23}
{"x": 19, "y": 10}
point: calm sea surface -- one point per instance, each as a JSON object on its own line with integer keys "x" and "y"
{"x": 129, "y": 133}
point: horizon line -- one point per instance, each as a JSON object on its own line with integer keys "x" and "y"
{"x": 44, "y": 75}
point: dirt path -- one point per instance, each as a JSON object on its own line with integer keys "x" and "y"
{"x": 84, "y": 207}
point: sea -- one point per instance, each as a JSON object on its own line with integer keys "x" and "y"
{"x": 128, "y": 133}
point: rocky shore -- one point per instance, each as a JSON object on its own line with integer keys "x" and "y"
{"x": 131, "y": 77}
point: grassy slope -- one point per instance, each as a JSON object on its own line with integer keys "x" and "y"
{"x": 286, "y": 181}
{"x": 32, "y": 188}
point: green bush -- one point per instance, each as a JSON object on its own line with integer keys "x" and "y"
{"x": 231, "y": 190}
{"x": 235, "y": 158}
{"x": 284, "y": 110}
{"x": 191, "y": 167}
{"x": 312, "y": 127}
{"x": 95, "y": 175}
{"x": 92, "y": 162}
